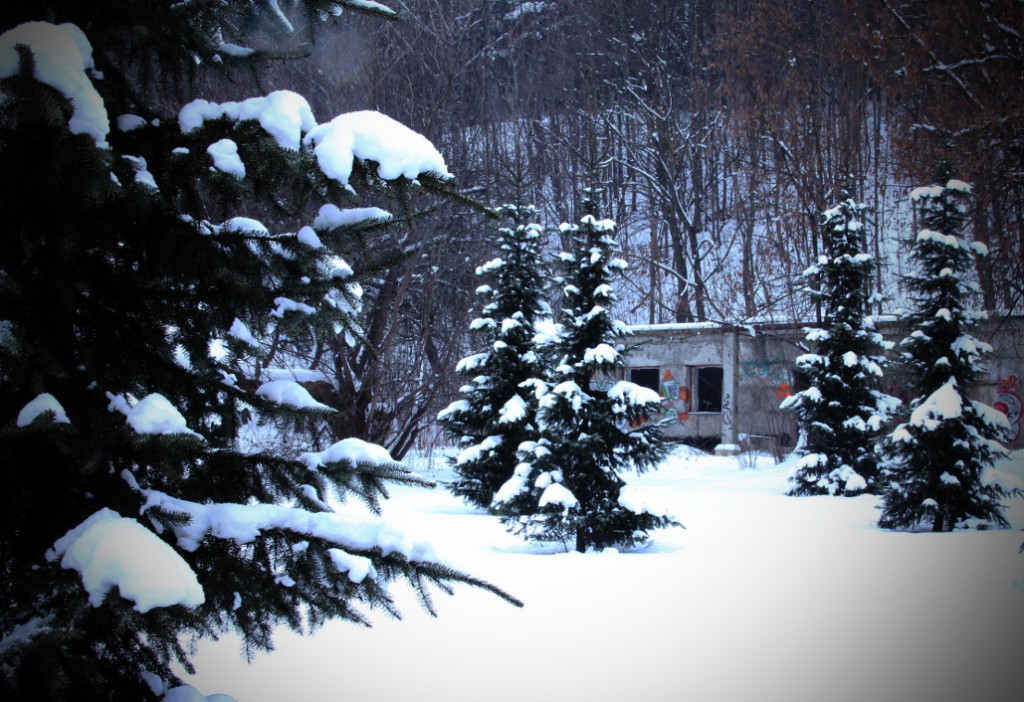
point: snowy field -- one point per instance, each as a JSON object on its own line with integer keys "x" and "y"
{"x": 761, "y": 597}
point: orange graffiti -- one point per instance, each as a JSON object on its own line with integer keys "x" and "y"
{"x": 1009, "y": 384}
{"x": 677, "y": 398}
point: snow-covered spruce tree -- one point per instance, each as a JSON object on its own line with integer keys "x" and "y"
{"x": 134, "y": 295}
{"x": 842, "y": 411}
{"x": 934, "y": 461}
{"x": 567, "y": 486}
{"x": 497, "y": 410}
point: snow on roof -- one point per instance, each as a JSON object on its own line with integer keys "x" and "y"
{"x": 110, "y": 551}
{"x": 42, "y": 403}
{"x": 62, "y": 53}
{"x": 680, "y": 326}
{"x": 372, "y": 136}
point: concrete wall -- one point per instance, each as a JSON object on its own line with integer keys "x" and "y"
{"x": 758, "y": 373}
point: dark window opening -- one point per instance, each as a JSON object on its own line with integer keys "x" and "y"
{"x": 646, "y": 377}
{"x": 707, "y": 382}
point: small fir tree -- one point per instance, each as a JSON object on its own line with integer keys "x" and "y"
{"x": 497, "y": 410}
{"x": 842, "y": 411}
{"x": 136, "y": 296}
{"x": 934, "y": 460}
{"x": 567, "y": 486}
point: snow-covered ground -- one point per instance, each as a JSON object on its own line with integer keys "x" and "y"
{"x": 761, "y": 597}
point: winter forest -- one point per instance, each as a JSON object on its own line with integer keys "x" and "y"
{"x": 314, "y": 313}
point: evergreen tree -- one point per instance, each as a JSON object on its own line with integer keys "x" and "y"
{"x": 497, "y": 411}
{"x": 135, "y": 296}
{"x": 934, "y": 460}
{"x": 842, "y": 411}
{"x": 567, "y": 486}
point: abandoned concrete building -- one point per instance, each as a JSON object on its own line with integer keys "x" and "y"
{"x": 721, "y": 385}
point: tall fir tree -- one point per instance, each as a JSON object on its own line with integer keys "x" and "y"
{"x": 134, "y": 297}
{"x": 497, "y": 411}
{"x": 842, "y": 411}
{"x": 567, "y": 486}
{"x": 934, "y": 460}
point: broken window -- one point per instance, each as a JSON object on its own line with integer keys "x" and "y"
{"x": 707, "y": 389}
{"x": 646, "y": 377}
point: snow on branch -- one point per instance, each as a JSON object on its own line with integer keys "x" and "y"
{"x": 283, "y": 114}
{"x": 371, "y": 136}
{"x": 243, "y": 524}
{"x": 62, "y": 54}
{"x": 110, "y": 551}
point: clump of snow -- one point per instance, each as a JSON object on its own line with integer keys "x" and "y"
{"x": 454, "y": 408}
{"x": 357, "y": 567}
{"x": 926, "y": 191}
{"x": 512, "y": 411}
{"x": 332, "y": 217}
{"x": 636, "y": 501}
{"x": 241, "y": 332}
{"x": 225, "y": 157}
{"x": 285, "y": 304}
{"x": 944, "y": 403}
{"x": 372, "y": 136}
{"x": 244, "y": 523}
{"x": 309, "y": 237}
{"x": 353, "y": 450}
{"x": 602, "y": 353}
{"x": 337, "y": 268}
{"x": 371, "y": 5}
{"x": 514, "y": 486}
{"x": 129, "y": 122}
{"x": 633, "y": 394}
{"x": 40, "y": 405}
{"x": 474, "y": 452}
{"x": 142, "y": 174}
{"x": 62, "y": 54}
{"x": 109, "y": 551}
{"x": 283, "y": 114}
{"x": 245, "y": 225}
{"x": 187, "y": 693}
{"x": 288, "y": 393}
{"x": 939, "y": 238}
{"x": 154, "y": 414}
{"x": 230, "y": 49}
{"x": 558, "y": 494}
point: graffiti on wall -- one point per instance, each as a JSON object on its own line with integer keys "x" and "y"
{"x": 675, "y": 399}
{"x": 775, "y": 370}
{"x": 1008, "y": 401}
